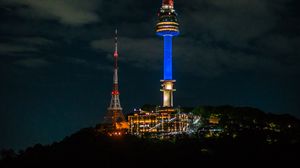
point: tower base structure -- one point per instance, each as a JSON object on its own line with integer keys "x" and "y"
{"x": 167, "y": 89}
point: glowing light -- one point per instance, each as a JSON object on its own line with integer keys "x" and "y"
{"x": 115, "y": 92}
{"x": 116, "y": 54}
{"x": 169, "y": 86}
{"x": 164, "y": 23}
{"x": 167, "y": 32}
{"x": 166, "y": 29}
{"x": 122, "y": 125}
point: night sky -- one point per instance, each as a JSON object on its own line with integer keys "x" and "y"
{"x": 56, "y": 60}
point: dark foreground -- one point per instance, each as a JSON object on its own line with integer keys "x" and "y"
{"x": 89, "y": 148}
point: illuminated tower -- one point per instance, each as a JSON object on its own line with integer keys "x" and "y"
{"x": 114, "y": 113}
{"x": 167, "y": 27}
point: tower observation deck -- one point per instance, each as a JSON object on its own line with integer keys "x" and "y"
{"x": 167, "y": 26}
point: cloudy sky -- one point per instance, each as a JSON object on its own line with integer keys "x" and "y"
{"x": 56, "y": 60}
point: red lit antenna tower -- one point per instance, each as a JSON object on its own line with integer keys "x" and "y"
{"x": 114, "y": 111}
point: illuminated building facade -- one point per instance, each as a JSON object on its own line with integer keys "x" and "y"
{"x": 167, "y": 27}
{"x": 114, "y": 115}
{"x": 158, "y": 124}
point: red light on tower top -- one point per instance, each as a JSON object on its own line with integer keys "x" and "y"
{"x": 168, "y": 2}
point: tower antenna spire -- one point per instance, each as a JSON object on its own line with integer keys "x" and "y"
{"x": 114, "y": 115}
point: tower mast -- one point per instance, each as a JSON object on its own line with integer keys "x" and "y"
{"x": 114, "y": 111}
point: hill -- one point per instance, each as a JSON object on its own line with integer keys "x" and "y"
{"x": 248, "y": 148}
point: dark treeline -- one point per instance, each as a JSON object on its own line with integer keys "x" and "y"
{"x": 259, "y": 140}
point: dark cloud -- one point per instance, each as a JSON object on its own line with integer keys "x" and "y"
{"x": 24, "y": 47}
{"x": 9, "y": 49}
{"x": 33, "y": 62}
{"x": 70, "y": 12}
{"x": 36, "y": 41}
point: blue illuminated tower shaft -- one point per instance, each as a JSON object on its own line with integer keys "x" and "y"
{"x": 168, "y": 58}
